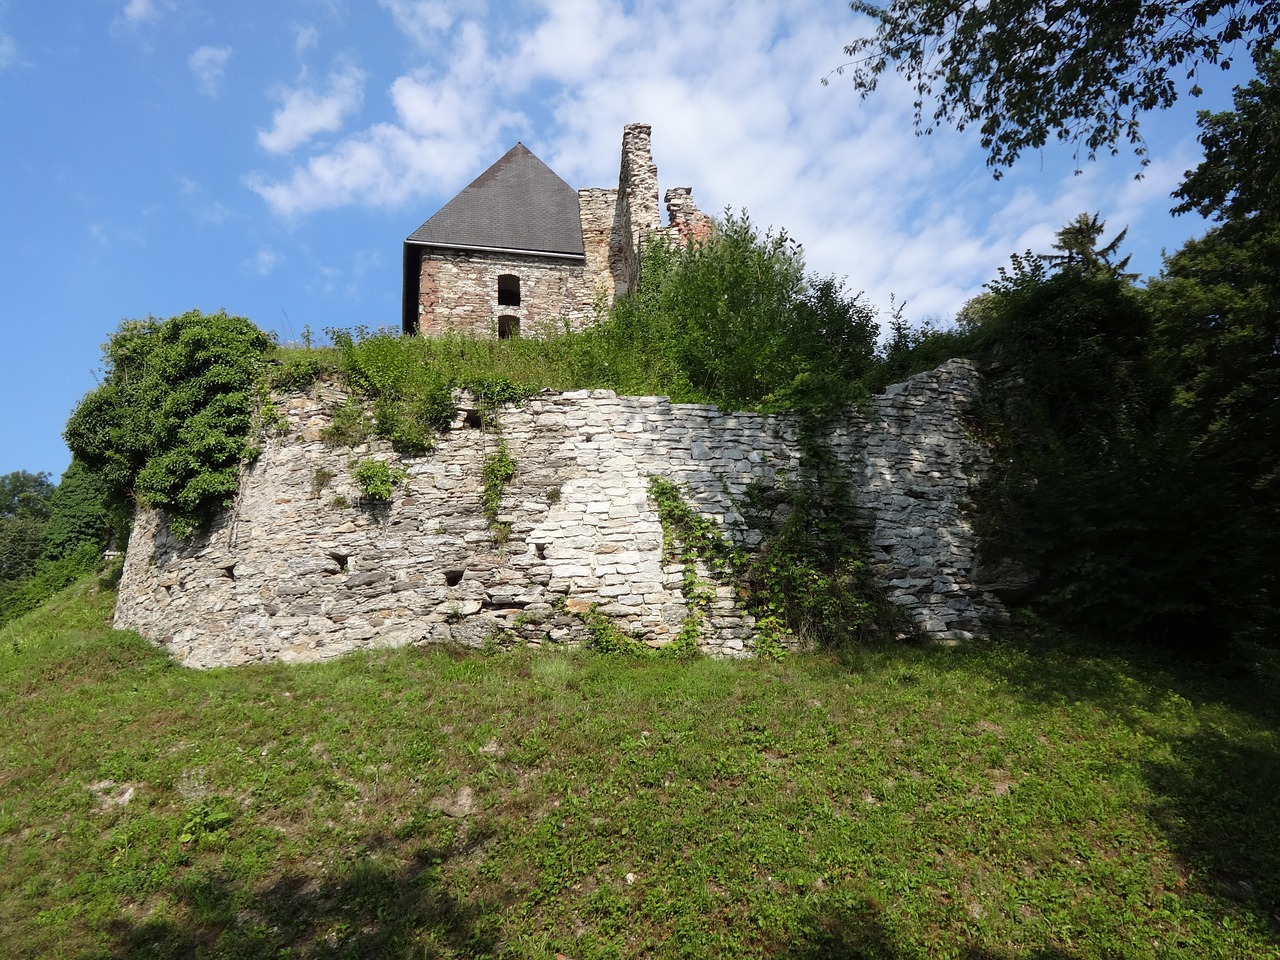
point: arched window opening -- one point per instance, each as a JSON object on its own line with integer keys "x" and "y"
{"x": 508, "y": 327}
{"x": 508, "y": 290}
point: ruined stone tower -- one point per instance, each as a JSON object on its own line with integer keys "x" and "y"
{"x": 520, "y": 251}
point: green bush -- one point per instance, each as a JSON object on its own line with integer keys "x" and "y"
{"x": 376, "y": 479}
{"x": 296, "y": 370}
{"x": 412, "y": 398}
{"x": 170, "y": 425}
{"x": 733, "y": 320}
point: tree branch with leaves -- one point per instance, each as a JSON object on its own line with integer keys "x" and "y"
{"x": 1028, "y": 71}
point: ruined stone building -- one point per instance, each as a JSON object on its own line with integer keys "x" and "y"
{"x": 519, "y": 250}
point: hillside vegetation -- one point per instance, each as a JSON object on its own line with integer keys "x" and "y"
{"x": 1037, "y": 798}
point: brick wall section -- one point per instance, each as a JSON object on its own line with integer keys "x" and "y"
{"x": 288, "y": 575}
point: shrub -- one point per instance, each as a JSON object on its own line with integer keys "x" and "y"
{"x": 349, "y": 426}
{"x": 498, "y": 471}
{"x": 376, "y": 479}
{"x": 50, "y": 577}
{"x": 412, "y": 398}
{"x": 733, "y": 320}
{"x": 296, "y": 370}
{"x": 170, "y": 425}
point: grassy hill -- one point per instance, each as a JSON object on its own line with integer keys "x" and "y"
{"x": 1026, "y": 798}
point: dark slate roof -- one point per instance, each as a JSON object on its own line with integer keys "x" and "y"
{"x": 517, "y": 204}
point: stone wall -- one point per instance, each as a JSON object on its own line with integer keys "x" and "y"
{"x": 687, "y": 224}
{"x": 300, "y": 569}
{"x": 598, "y": 206}
{"x": 459, "y": 292}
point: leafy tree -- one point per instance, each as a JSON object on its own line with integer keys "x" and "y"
{"x": 20, "y": 543}
{"x": 24, "y": 505}
{"x": 79, "y": 513}
{"x": 22, "y": 492}
{"x": 170, "y": 425}
{"x": 1238, "y": 182}
{"x": 1093, "y": 487}
{"x": 734, "y": 320}
{"x": 1026, "y": 71}
{"x": 1217, "y": 335}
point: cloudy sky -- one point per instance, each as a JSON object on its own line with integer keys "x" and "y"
{"x": 269, "y": 158}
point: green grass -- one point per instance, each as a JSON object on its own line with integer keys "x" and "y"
{"x": 1035, "y": 799}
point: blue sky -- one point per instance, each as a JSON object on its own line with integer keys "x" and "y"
{"x": 269, "y": 159}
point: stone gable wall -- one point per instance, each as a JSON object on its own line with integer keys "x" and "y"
{"x": 299, "y": 569}
{"x": 458, "y": 291}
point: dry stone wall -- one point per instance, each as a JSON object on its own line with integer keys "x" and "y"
{"x": 301, "y": 569}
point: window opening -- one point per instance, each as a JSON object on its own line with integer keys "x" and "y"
{"x": 508, "y": 327}
{"x": 508, "y": 290}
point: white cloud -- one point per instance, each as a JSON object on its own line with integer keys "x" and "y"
{"x": 137, "y": 14}
{"x": 382, "y": 167}
{"x": 216, "y": 214}
{"x": 208, "y": 64}
{"x": 140, "y": 11}
{"x": 732, "y": 90}
{"x": 264, "y": 261}
{"x": 305, "y": 38}
{"x": 424, "y": 21}
{"x": 9, "y": 55}
{"x": 305, "y": 112}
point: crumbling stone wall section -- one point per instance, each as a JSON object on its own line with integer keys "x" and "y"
{"x": 688, "y": 224}
{"x": 459, "y": 292}
{"x": 638, "y": 181}
{"x": 301, "y": 569}
{"x": 914, "y": 465}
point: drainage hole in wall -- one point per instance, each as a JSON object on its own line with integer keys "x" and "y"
{"x": 341, "y": 560}
{"x": 229, "y": 571}
{"x": 541, "y": 550}
{"x": 453, "y": 577}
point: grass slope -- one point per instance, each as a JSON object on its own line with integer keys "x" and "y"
{"x": 1003, "y": 800}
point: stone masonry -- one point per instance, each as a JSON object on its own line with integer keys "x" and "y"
{"x": 457, "y": 289}
{"x": 300, "y": 569}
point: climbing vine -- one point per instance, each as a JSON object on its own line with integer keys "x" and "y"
{"x": 498, "y": 471}
{"x": 807, "y": 583}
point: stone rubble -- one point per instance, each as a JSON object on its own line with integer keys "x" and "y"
{"x": 301, "y": 569}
